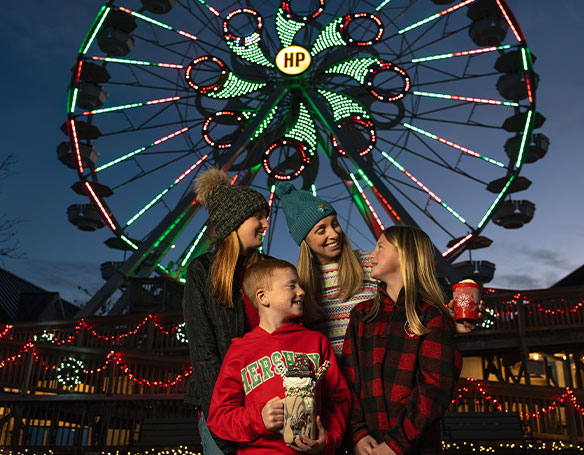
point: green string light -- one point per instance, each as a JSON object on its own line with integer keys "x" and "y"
{"x": 235, "y": 87}
{"x": 357, "y": 68}
{"x": 494, "y": 204}
{"x": 286, "y": 28}
{"x": 523, "y": 140}
{"x": 382, "y": 4}
{"x": 424, "y": 188}
{"x": 263, "y": 124}
{"x": 252, "y": 53}
{"x": 330, "y": 36}
{"x": 97, "y": 23}
{"x": 195, "y": 243}
{"x": 69, "y": 372}
{"x": 343, "y": 106}
{"x": 304, "y": 129}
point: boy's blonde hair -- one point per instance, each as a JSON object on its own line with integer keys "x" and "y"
{"x": 261, "y": 275}
{"x": 417, "y": 264}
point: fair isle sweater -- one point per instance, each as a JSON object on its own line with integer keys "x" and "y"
{"x": 336, "y": 310}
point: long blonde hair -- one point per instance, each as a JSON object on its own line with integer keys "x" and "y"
{"x": 350, "y": 278}
{"x": 223, "y": 268}
{"x": 417, "y": 265}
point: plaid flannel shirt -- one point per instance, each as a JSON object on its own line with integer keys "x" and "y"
{"x": 401, "y": 383}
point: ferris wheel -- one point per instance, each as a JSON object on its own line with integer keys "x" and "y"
{"x": 416, "y": 112}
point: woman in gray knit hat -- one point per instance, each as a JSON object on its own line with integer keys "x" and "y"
{"x": 333, "y": 275}
{"x": 215, "y": 310}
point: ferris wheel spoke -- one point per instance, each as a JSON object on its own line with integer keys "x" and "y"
{"x": 157, "y": 23}
{"x": 395, "y": 184}
{"x": 434, "y": 16}
{"x": 427, "y": 190}
{"x": 126, "y": 61}
{"x": 145, "y": 173}
{"x": 464, "y": 150}
{"x": 468, "y": 99}
{"x": 134, "y": 105}
{"x": 439, "y": 161}
{"x": 141, "y": 149}
{"x": 449, "y": 55}
{"x": 160, "y": 195}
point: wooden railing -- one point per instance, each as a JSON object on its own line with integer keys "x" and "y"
{"x": 550, "y": 412}
{"x": 141, "y": 332}
{"x": 546, "y": 308}
{"x": 80, "y": 421}
{"x": 35, "y": 369}
{"x": 100, "y": 421}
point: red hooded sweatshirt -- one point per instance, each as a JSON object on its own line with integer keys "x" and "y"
{"x": 251, "y": 376}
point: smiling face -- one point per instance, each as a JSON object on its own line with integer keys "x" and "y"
{"x": 325, "y": 240}
{"x": 285, "y": 297}
{"x": 385, "y": 260}
{"x": 251, "y": 231}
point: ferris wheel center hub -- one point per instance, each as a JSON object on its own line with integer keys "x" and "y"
{"x": 293, "y": 60}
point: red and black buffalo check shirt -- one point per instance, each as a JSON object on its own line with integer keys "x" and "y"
{"x": 401, "y": 383}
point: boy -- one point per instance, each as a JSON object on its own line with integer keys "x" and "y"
{"x": 247, "y": 405}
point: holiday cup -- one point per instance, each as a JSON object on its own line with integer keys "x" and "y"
{"x": 300, "y": 398}
{"x": 467, "y": 294}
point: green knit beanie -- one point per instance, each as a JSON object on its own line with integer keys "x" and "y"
{"x": 228, "y": 205}
{"x": 302, "y": 209}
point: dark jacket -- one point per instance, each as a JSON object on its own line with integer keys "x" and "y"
{"x": 402, "y": 383}
{"x": 210, "y": 327}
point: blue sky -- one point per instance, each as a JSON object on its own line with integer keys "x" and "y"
{"x": 41, "y": 41}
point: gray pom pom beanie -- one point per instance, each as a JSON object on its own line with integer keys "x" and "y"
{"x": 302, "y": 210}
{"x": 228, "y": 205}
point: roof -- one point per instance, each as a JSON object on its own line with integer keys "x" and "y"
{"x": 20, "y": 300}
{"x": 574, "y": 279}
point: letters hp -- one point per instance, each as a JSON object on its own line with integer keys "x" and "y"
{"x": 293, "y": 59}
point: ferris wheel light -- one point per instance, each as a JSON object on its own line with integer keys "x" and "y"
{"x": 99, "y": 204}
{"x": 435, "y": 16}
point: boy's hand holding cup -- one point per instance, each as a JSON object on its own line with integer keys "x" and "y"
{"x": 467, "y": 295}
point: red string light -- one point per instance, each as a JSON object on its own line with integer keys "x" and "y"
{"x": 482, "y": 389}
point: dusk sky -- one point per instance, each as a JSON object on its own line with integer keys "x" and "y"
{"x": 41, "y": 40}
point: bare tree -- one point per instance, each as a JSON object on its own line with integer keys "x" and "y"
{"x": 8, "y": 242}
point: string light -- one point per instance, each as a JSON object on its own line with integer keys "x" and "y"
{"x": 286, "y": 27}
{"x": 466, "y": 98}
{"x": 461, "y": 54}
{"x": 342, "y": 105}
{"x": 453, "y": 145}
{"x": 425, "y": 188}
{"x": 221, "y": 77}
{"x": 246, "y": 40}
{"x": 253, "y": 53}
{"x": 141, "y": 149}
{"x": 136, "y": 62}
{"x": 304, "y": 129}
{"x": 157, "y": 23}
{"x": 344, "y": 29}
{"x": 328, "y": 37}
{"x": 69, "y": 372}
{"x": 131, "y": 106}
{"x": 236, "y": 86}
{"x": 213, "y": 118}
{"x": 305, "y": 158}
{"x": 435, "y": 16}
{"x": 357, "y": 68}
{"x": 305, "y": 18}
{"x": 367, "y": 125}
{"x": 387, "y": 66}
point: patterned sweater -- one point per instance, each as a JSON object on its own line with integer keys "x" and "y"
{"x": 336, "y": 310}
{"x": 401, "y": 383}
